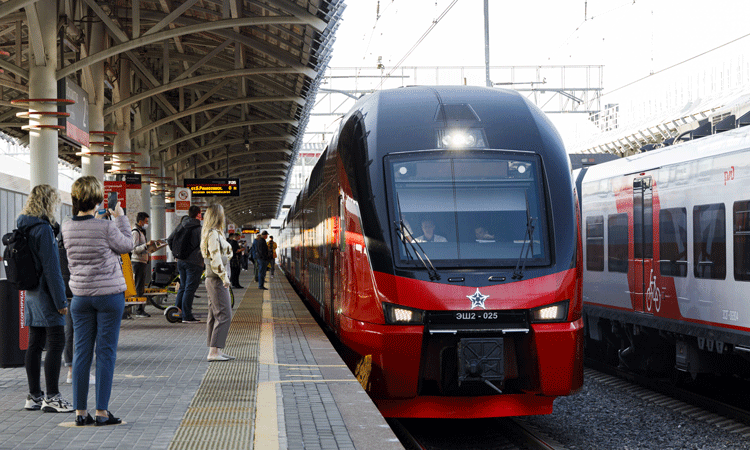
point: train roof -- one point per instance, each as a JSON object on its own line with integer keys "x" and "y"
{"x": 405, "y": 118}
{"x": 718, "y": 144}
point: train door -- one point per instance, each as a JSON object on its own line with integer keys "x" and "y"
{"x": 643, "y": 242}
{"x": 337, "y": 247}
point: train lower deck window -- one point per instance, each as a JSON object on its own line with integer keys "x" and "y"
{"x": 617, "y": 243}
{"x": 741, "y": 227}
{"x": 709, "y": 241}
{"x": 476, "y": 208}
{"x": 673, "y": 242}
{"x": 595, "y": 243}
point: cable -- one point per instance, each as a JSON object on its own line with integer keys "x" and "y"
{"x": 419, "y": 41}
{"x": 677, "y": 64}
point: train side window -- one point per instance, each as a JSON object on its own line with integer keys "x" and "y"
{"x": 595, "y": 243}
{"x": 673, "y": 242}
{"x": 742, "y": 240}
{"x": 709, "y": 241}
{"x": 617, "y": 243}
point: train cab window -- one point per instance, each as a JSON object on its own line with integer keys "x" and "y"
{"x": 595, "y": 243}
{"x": 617, "y": 243}
{"x": 709, "y": 241}
{"x": 673, "y": 242}
{"x": 742, "y": 240}
{"x": 469, "y": 209}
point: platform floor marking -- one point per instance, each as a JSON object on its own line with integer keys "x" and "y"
{"x": 266, "y": 417}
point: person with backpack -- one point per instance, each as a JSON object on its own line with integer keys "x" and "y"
{"x": 184, "y": 242}
{"x": 139, "y": 259}
{"x": 46, "y": 304}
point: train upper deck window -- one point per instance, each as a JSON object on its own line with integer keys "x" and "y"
{"x": 465, "y": 209}
{"x": 617, "y": 243}
{"x": 742, "y": 240}
{"x": 709, "y": 241}
{"x": 595, "y": 243}
{"x": 673, "y": 242}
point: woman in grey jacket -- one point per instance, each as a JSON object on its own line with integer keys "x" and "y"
{"x": 46, "y": 305}
{"x": 98, "y": 287}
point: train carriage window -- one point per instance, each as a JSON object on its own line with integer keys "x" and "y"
{"x": 742, "y": 240}
{"x": 468, "y": 209}
{"x": 709, "y": 241}
{"x": 617, "y": 243}
{"x": 595, "y": 243}
{"x": 673, "y": 242}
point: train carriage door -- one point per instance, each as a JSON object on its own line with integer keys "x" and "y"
{"x": 337, "y": 246}
{"x": 643, "y": 242}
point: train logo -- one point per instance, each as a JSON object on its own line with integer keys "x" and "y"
{"x": 477, "y": 299}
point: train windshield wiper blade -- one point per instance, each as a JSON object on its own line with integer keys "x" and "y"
{"x": 403, "y": 231}
{"x": 521, "y": 265}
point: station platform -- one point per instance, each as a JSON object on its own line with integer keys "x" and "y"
{"x": 287, "y": 389}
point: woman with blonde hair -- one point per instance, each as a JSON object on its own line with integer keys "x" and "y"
{"x": 216, "y": 252}
{"x": 94, "y": 247}
{"x": 46, "y": 305}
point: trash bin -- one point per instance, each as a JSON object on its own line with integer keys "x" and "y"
{"x": 14, "y": 335}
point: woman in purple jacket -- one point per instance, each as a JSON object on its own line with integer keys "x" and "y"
{"x": 98, "y": 285}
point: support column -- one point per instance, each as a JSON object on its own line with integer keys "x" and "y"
{"x": 158, "y": 215}
{"x": 94, "y": 164}
{"x": 43, "y": 85}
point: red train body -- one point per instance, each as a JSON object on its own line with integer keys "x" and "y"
{"x": 458, "y": 324}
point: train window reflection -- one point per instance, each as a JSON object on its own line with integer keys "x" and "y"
{"x": 709, "y": 241}
{"x": 673, "y": 242}
{"x": 617, "y": 243}
{"x": 742, "y": 240}
{"x": 467, "y": 209}
{"x": 595, "y": 243}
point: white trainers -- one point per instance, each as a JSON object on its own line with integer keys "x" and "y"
{"x": 34, "y": 403}
{"x": 57, "y": 404}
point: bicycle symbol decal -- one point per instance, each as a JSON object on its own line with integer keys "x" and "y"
{"x": 653, "y": 294}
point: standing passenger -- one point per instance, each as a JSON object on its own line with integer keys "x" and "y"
{"x": 46, "y": 305}
{"x": 272, "y": 249}
{"x": 94, "y": 247}
{"x": 140, "y": 259}
{"x": 216, "y": 251}
{"x": 263, "y": 257}
{"x": 234, "y": 263}
{"x": 190, "y": 268}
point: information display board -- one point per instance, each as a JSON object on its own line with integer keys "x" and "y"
{"x": 207, "y": 187}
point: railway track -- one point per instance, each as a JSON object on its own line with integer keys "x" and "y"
{"x": 703, "y": 407}
{"x": 463, "y": 434}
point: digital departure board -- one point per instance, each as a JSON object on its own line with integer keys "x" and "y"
{"x": 207, "y": 187}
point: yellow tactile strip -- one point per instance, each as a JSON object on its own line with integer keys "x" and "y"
{"x": 222, "y": 413}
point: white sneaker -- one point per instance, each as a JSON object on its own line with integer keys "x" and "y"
{"x": 57, "y": 404}
{"x": 34, "y": 403}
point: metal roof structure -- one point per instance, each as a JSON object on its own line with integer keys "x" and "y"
{"x": 214, "y": 88}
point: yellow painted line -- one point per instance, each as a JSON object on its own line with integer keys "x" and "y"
{"x": 266, "y": 422}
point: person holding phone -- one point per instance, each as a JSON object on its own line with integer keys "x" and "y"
{"x": 140, "y": 257}
{"x": 98, "y": 285}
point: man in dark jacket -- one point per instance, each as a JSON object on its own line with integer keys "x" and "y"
{"x": 190, "y": 268}
{"x": 262, "y": 258}
{"x": 234, "y": 263}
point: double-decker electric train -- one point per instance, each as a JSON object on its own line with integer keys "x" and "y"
{"x": 438, "y": 238}
{"x": 667, "y": 256}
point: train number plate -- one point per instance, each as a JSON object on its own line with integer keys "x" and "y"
{"x": 513, "y": 318}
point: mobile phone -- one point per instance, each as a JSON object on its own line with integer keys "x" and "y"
{"x": 112, "y": 200}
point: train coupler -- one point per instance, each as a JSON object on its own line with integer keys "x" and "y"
{"x": 482, "y": 360}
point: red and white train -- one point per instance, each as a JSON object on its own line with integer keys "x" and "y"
{"x": 438, "y": 238}
{"x": 667, "y": 257}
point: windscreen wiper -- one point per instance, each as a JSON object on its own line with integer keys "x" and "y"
{"x": 521, "y": 265}
{"x": 408, "y": 238}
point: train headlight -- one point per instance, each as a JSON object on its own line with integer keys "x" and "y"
{"x": 401, "y": 315}
{"x": 460, "y": 139}
{"x": 557, "y": 312}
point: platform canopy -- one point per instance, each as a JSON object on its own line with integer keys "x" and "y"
{"x": 203, "y": 88}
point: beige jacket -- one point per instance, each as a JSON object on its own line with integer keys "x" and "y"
{"x": 219, "y": 254}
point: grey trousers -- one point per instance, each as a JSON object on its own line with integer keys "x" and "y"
{"x": 219, "y": 312}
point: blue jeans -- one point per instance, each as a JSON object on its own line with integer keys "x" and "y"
{"x": 190, "y": 279}
{"x": 262, "y": 267}
{"x": 96, "y": 320}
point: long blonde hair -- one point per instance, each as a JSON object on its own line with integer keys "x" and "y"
{"x": 42, "y": 202}
{"x": 213, "y": 219}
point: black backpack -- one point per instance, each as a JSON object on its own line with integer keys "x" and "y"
{"x": 180, "y": 244}
{"x": 18, "y": 258}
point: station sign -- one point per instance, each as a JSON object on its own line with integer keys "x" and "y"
{"x": 250, "y": 230}
{"x": 76, "y": 126}
{"x": 206, "y": 187}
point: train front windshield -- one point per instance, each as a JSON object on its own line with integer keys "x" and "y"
{"x": 480, "y": 209}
